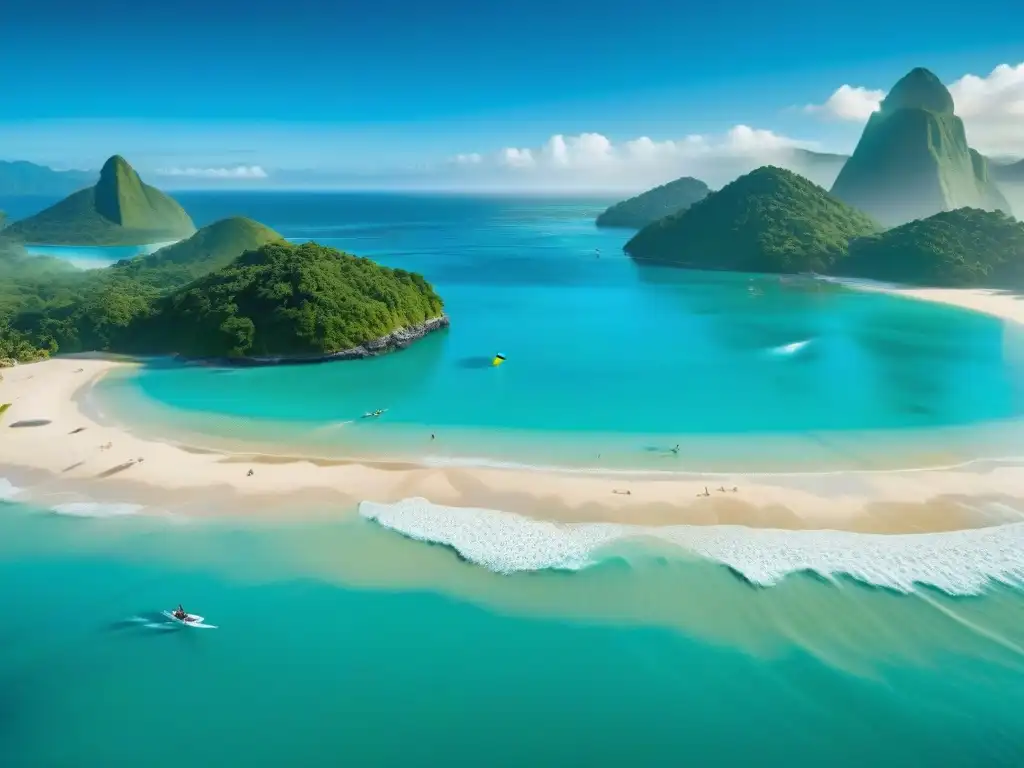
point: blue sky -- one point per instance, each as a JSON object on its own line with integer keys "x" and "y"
{"x": 385, "y": 86}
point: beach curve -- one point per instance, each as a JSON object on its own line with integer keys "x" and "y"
{"x": 76, "y": 452}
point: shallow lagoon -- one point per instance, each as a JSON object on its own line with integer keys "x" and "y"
{"x": 609, "y": 363}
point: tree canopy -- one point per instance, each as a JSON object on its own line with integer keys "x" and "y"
{"x": 962, "y": 248}
{"x": 286, "y": 300}
{"x": 770, "y": 220}
{"x": 196, "y": 298}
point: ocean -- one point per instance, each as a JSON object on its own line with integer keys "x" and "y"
{"x": 400, "y": 635}
{"x": 343, "y": 643}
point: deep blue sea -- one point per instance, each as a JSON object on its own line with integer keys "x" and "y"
{"x": 341, "y": 641}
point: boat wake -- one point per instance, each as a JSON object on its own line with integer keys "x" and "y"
{"x": 958, "y": 562}
{"x": 788, "y": 350}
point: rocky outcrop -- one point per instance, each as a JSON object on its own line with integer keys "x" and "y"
{"x": 394, "y": 341}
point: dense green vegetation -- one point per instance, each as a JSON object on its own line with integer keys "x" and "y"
{"x": 118, "y": 210}
{"x": 639, "y": 211}
{"x": 770, "y": 220}
{"x": 235, "y": 287}
{"x": 21, "y": 178}
{"x": 913, "y": 159}
{"x": 285, "y": 300}
{"x": 962, "y": 248}
{"x": 212, "y": 247}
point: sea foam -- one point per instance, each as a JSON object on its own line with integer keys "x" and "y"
{"x": 958, "y": 562}
{"x": 96, "y": 509}
{"x": 8, "y": 490}
{"x": 791, "y": 349}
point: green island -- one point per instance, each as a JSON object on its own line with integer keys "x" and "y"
{"x": 118, "y": 210}
{"x": 770, "y": 220}
{"x": 234, "y": 291}
{"x": 964, "y": 248}
{"x": 639, "y": 211}
{"x": 913, "y": 160}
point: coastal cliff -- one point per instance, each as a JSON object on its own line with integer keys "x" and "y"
{"x": 392, "y": 342}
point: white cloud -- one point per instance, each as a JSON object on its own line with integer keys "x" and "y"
{"x": 236, "y": 172}
{"x": 992, "y": 107}
{"x": 849, "y": 103}
{"x": 593, "y": 160}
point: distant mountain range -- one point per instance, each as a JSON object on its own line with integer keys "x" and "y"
{"x": 19, "y": 178}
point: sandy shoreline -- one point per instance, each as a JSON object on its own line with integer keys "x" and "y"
{"x": 74, "y": 456}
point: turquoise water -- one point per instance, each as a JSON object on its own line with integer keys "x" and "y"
{"x": 342, "y": 643}
{"x": 609, "y": 363}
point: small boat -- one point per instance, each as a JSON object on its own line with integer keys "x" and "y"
{"x": 374, "y": 414}
{"x": 498, "y": 360}
{"x": 190, "y": 620}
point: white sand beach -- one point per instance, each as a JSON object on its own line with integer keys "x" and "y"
{"x": 73, "y": 454}
{"x": 1007, "y": 305}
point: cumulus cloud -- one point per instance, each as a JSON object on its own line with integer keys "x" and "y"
{"x": 593, "y": 160}
{"x": 992, "y": 107}
{"x": 236, "y": 172}
{"x": 849, "y": 103}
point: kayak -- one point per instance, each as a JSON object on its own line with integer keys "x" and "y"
{"x": 190, "y": 620}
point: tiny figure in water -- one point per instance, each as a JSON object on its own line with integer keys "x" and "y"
{"x": 675, "y": 450}
{"x": 431, "y": 435}
{"x": 250, "y": 474}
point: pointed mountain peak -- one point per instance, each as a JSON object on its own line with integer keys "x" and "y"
{"x": 919, "y": 89}
{"x": 118, "y": 191}
{"x": 117, "y": 171}
{"x": 114, "y": 165}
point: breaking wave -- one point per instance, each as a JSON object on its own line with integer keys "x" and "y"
{"x": 96, "y": 509}
{"x": 8, "y": 490}
{"x": 958, "y": 562}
